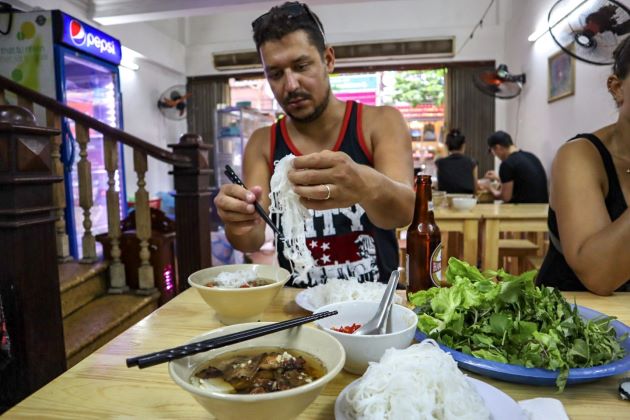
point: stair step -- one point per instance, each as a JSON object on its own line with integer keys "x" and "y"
{"x": 79, "y": 284}
{"x": 99, "y": 321}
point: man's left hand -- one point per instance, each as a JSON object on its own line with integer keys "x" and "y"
{"x": 327, "y": 180}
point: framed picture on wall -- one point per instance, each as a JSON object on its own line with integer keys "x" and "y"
{"x": 561, "y": 77}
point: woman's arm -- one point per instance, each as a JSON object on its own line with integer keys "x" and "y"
{"x": 593, "y": 246}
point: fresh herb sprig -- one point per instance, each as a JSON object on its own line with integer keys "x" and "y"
{"x": 513, "y": 321}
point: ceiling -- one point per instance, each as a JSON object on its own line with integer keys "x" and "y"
{"x": 114, "y": 12}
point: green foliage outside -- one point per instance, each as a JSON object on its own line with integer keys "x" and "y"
{"x": 420, "y": 87}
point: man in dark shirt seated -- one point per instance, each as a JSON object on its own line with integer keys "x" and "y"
{"x": 456, "y": 173}
{"x": 522, "y": 176}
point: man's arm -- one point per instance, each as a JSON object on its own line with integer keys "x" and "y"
{"x": 244, "y": 228}
{"x": 506, "y": 189}
{"x": 503, "y": 192}
{"x": 384, "y": 191}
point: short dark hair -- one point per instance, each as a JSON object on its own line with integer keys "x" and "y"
{"x": 500, "y": 138}
{"x": 621, "y": 57}
{"x": 455, "y": 140}
{"x": 285, "y": 19}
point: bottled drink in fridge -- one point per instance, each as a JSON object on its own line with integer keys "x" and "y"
{"x": 424, "y": 243}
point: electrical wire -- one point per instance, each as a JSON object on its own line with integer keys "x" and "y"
{"x": 477, "y": 26}
{"x": 6, "y": 8}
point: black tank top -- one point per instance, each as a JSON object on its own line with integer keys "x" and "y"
{"x": 555, "y": 271}
{"x": 343, "y": 242}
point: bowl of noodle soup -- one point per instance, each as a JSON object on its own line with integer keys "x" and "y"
{"x": 225, "y": 404}
{"x": 240, "y": 292}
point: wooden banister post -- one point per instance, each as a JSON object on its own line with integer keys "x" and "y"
{"x": 146, "y": 282}
{"x": 59, "y": 190}
{"x": 117, "y": 281}
{"x": 29, "y": 280}
{"x": 192, "y": 208}
{"x": 86, "y": 200}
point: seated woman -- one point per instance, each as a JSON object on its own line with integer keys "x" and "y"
{"x": 589, "y": 221}
{"x": 456, "y": 173}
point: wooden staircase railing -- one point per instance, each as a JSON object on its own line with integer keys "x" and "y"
{"x": 191, "y": 174}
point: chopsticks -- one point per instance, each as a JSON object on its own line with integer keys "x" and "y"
{"x": 167, "y": 355}
{"x": 229, "y": 172}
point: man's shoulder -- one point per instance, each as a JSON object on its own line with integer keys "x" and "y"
{"x": 380, "y": 111}
{"x": 531, "y": 157}
{"x": 260, "y": 140}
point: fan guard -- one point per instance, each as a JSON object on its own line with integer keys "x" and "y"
{"x": 173, "y": 102}
{"x": 499, "y": 83}
{"x": 591, "y": 30}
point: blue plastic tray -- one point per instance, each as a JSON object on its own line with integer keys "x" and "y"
{"x": 545, "y": 377}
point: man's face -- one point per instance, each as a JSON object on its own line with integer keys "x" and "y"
{"x": 500, "y": 152}
{"x": 297, "y": 75}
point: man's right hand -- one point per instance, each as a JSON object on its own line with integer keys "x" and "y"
{"x": 235, "y": 206}
{"x": 492, "y": 175}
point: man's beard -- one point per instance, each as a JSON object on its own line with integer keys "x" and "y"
{"x": 319, "y": 109}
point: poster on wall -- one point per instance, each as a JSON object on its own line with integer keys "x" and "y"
{"x": 26, "y": 52}
{"x": 561, "y": 78}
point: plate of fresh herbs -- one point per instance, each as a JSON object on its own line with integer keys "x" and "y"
{"x": 515, "y": 331}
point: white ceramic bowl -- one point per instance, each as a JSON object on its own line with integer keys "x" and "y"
{"x": 464, "y": 203}
{"x": 362, "y": 349}
{"x": 275, "y": 405}
{"x": 233, "y": 306}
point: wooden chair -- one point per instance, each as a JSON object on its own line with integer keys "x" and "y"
{"x": 519, "y": 249}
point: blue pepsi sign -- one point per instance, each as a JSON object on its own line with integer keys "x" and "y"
{"x": 76, "y": 34}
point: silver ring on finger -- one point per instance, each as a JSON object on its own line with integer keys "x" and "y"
{"x": 327, "y": 190}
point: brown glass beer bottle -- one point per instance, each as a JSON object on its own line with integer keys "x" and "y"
{"x": 424, "y": 243}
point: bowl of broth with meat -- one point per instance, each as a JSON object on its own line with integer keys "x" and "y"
{"x": 271, "y": 377}
{"x": 241, "y": 292}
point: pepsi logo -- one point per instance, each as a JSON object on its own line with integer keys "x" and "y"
{"x": 77, "y": 33}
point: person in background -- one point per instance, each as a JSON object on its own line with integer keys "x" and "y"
{"x": 589, "y": 220}
{"x": 353, "y": 167}
{"x": 521, "y": 174}
{"x": 456, "y": 173}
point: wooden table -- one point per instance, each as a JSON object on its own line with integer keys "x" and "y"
{"x": 499, "y": 218}
{"x": 102, "y": 387}
{"x": 465, "y": 222}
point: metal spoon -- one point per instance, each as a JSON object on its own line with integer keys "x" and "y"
{"x": 377, "y": 325}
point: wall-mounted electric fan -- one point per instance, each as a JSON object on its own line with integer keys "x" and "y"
{"x": 499, "y": 83}
{"x": 589, "y": 30}
{"x": 173, "y": 102}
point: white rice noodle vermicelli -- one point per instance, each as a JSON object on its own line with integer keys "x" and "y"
{"x": 234, "y": 279}
{"x": 419, "y": 382}
{"x": 286, "y": 203}
{"x": 341, "y": 290}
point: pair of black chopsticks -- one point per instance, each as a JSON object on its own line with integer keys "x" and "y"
{"x": 229, "y": 172}
{"x": 167, "y": 355}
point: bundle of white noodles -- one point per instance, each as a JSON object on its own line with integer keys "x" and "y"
{"x": 419, "y": 382}
{"x": 286, "y": 203}
{"x": 341, "y": 290}
{"x": 234, "y": 279}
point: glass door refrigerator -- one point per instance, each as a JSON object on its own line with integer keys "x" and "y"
{"x": 92, "y": 87}
{"x": 86, "y": 61}
{"x": 62, "y": 57}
